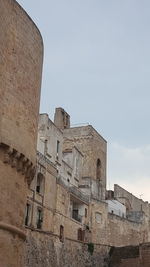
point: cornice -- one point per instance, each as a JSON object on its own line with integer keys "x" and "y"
{"x": 18, "y": 161}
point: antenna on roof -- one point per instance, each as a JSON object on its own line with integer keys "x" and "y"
{"x": 80, "y": 124}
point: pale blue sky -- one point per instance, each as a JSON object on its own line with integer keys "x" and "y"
{"x": 97, "y": 66}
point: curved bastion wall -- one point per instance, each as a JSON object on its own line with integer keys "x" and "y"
{"x": 21, "y": 57}
{"x": 20, "y": 74}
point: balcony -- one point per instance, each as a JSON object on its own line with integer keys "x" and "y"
{"x": 44, "y": 160}
{"x": 73, "y": 190}
{"x": 76, "y": 216}
{"x": 78, "y": 193}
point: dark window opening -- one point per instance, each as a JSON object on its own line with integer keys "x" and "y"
{"x": 40, "y": 183}
{"x": 46, "y": 146}
{"x": 76, "y": 216}
{"x": 57, "y": 150}
{"x": 27, "y": 214}
{"x": 66, "y": 121}
{"x": 75, "y": 213}
{"x": 38, "y": 188}
{"x": 85, "y": 213}
{"x": 98, "y": 169}
{"x": 39, "y": 218}
{"x": 61, "y": 236}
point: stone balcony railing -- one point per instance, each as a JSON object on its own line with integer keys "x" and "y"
{"x": 78, "y": 193}
{"x": 73, "y": 189}
{"x": 42, "y": 159}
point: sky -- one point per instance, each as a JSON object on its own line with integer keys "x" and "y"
{"x": 97, "y": 67}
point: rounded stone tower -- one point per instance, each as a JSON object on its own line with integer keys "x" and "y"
{"x": 21, "y": 56}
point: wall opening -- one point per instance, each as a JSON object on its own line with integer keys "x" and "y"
{"x": 61, "y": 235}
{"x": 98, "y": 169}
{"x": 39, "y": 218}
{"x": 85, "y": 212}
{"x": 27, "y": 214}
{"x": 57, "y": 149}
{"x": 40, "y": 184}
{"x": 81, "y": 234}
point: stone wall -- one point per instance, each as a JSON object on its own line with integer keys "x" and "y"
{"x": 135, "y": 256}
{"x": 43, "y": 249}
{"x": 145, "y": 255}
{"x": 114, "y": 230}
{"x": 124, "y": 256}
{"x": 121, "y": 232}
{"x": 21, "y": 56}
{"x": 99, "y": 222}
{"x": 132, "y": 202}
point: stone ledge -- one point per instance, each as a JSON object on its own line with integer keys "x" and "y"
{"x": 13, "y": 229}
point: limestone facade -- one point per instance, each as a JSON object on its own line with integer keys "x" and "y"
{"x": 69, "y": 189}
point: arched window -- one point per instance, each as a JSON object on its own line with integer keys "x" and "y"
{"x": 40, "y": 183}
{"x": 61, "y": 235}
{"x": 98, "y": 169}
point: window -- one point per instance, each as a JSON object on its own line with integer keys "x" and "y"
{"x": 27, "y": 215}
{"x": 39, "y": 218}
{"x": 61, "y": 235}
{"x": 98, "y": 217}
{"x": 98, "y": 169}
{"x": 40, "y": 183}
{"x": 46, "y": 147}
{"x": 76, "y": 211}
{"x": 66, "y": 121}
{"x": 76, "y": 216}
{"x": 80, "y": 234}
{"x": 85, "y": 213}
{"x": 57, "y": 154}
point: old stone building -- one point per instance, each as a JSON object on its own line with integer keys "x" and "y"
{"x": 68, "y": 200}
{"x": 55, "y": 207}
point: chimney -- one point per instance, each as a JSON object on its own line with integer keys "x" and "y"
{"x": 61, "y": 119}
